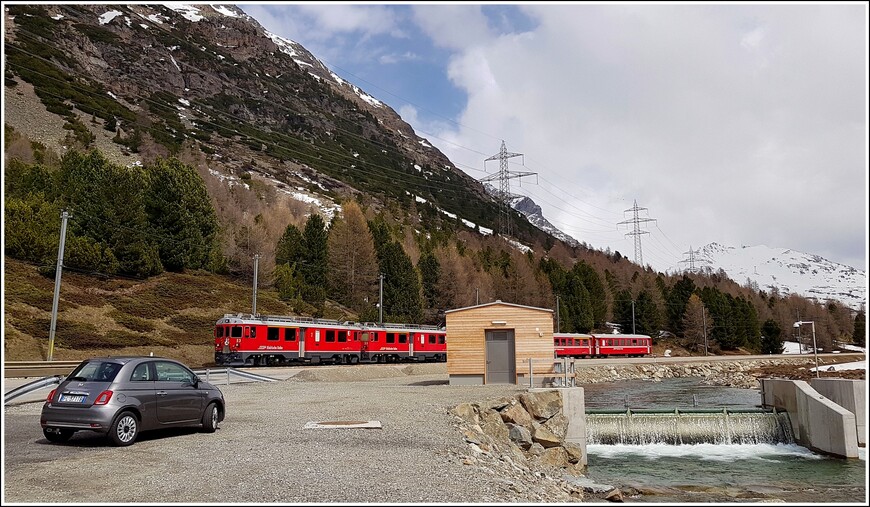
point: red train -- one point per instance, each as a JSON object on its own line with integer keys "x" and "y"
{"x": 273, "y": 340}
{"x": 245, "y": 340}
{"x": 602, "y": 345}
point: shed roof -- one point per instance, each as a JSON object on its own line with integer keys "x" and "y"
{"x": 499, "y": 302}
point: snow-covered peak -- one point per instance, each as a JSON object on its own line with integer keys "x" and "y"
{"x": 788, "y": 271}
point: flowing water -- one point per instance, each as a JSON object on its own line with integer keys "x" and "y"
{"x": 759, "y": 466}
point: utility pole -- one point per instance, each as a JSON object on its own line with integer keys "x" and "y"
{"x": 558, "y": 324}
{"x": 636, "y": 220}
{"x": 381, "y": 299}
{"x": 632, "y": 318}
{"x": 254, "y": 300}
{"x": 504, "y": 175}
{"x": 57, "y": 271}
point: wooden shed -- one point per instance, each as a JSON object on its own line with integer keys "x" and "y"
{"x": 492, "y": 343}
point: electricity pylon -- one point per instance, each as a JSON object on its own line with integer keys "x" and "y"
{"x": 504, "y": 195}
{"x": 636, "y": 220}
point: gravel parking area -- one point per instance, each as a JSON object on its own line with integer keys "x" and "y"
{"x": 262, "y": 453}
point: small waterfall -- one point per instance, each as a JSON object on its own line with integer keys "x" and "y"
{"x": 688, "y": 427}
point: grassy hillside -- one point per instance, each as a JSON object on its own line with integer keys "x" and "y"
{"x": 171, "y": 315}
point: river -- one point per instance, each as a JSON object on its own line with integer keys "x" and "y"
{"x": 711, "y": 472}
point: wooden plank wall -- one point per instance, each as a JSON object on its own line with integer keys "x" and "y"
{"x": 466, "y": 343}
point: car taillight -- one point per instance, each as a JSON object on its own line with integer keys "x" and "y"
{"x": 50, "y": 395}
{"x": 103, "y": 398}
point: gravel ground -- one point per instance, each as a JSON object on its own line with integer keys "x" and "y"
{"x": 261, "y": 453}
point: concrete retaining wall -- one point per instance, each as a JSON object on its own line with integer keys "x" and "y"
{"x": 818, "y": 423}
{"x": 849, "y": 394}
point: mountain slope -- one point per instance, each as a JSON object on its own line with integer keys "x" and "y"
{"x": 788, "y": 271}
{"x": 159, "y": 78}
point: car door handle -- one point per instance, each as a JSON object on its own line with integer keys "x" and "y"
{"x": 161, "y": 393}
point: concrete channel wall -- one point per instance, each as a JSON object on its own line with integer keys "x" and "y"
{"x": 849, "y": 394}
{"x": 818, "y": 423}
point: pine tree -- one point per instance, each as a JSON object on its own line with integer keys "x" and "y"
{"x": 677, "y": 300}
{"x": 430, "y": 272}
{"x": 648, "y": 320}
{"x": 353, "y": 268}
{"x": 695, "y": 319}
{"x": 315, "y": 252}
{"x": 181, "y": 215}
{"x": 289, "y": 249}
{"x": 771, "y": 338}
{"x": 859, "y": 333}
{"x": 597, "y": 294}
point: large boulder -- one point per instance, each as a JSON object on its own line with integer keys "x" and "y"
{"x": 515, "y": 413}
{"x": 542, "y": 435}
{"x": 555, "y": 457}
{"x": 492, "y": 425}
{"x": 542, "y": 405}
{"x": 467, "y": 411}
{"x": 558, "y": 424}
{"x": 520, "y": 436}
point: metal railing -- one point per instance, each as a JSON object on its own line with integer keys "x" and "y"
{"x": 31, "y": 386}
{"x": 561, "y": 371}
{"x": 253, "y": 377}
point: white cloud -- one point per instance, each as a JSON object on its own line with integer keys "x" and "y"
{"x": 741, "y": 124}
{"x": 392, "y": 58}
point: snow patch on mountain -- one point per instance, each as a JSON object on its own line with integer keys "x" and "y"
{"x": 535, "y": 216}
{"x": 787, "y": 271}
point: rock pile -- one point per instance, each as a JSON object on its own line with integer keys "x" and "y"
{"x": 522, "y": 438}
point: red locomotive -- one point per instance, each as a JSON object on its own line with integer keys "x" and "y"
{"x": 261, "y": 340}
{"x": 602, "y": 345}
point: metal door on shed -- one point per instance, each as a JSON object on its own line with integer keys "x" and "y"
{"x": 501, "y": 367}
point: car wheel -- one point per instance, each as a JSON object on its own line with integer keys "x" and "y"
{"x": 124, "y": 430}
{"x": 57, "y": 435}
{"x": 210, "y": 418}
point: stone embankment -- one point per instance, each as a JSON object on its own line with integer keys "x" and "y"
{"x": 740, "y": 374}
{"x": 521, "y": 439}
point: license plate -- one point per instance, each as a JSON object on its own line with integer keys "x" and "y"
{"x": 72, "y": 398}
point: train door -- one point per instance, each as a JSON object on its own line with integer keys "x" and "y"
{"x": 364, "y": 338}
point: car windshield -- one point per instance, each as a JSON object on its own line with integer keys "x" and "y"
{"x": 95, "y": 371}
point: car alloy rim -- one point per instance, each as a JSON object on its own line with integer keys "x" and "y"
{"x": 127, "y": 428}
{"x": 214, "y": 416}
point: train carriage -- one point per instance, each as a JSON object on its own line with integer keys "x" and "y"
{"x": 269, "y": 340}
{"x": 573, "y": 345}
{"x": 628, "y": 345}
{"x": 601, "y": 345}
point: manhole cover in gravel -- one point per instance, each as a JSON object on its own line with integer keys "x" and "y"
{"x": 343, "y": 424}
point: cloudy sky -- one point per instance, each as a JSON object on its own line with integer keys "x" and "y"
{"x": 742, "y": 124}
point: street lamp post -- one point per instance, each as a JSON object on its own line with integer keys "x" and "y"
{"x": 815, "y": 349}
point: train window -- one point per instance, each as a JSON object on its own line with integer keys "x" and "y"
{"x": 219, "y": 332}
{"x": 253, "y": 332}
{"x": 342, "y": 336}
{"x": 432, "y": 338}
{"x": 442, "y": 339}
{"x": 376, "y": 337}
{"x": 316, "y": 336}
{"x": 391, "y": 338}
{"x": 403, "y": 338}
{"x": 330, "y": 335}
{"x": 236, "y": 331}
{"x": 290, "y": 334}
{"x": 272, "y": 333}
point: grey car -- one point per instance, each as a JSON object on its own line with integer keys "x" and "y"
{"x": 122, "y": 396}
